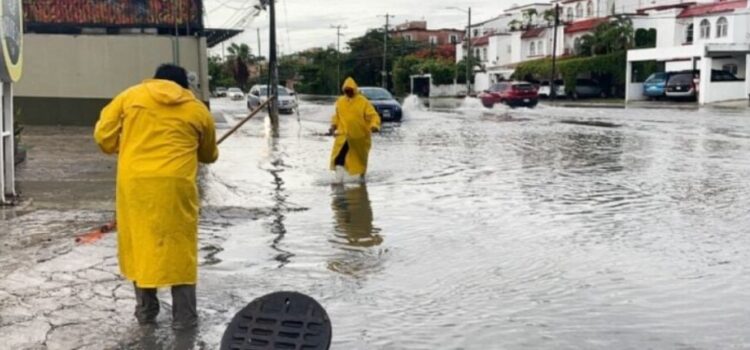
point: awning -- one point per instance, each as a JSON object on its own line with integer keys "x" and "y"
{"x": 217, "y": 36}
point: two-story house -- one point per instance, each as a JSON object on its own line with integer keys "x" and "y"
{"x": 702, "y": 37}
{"x": 417, "y": 31}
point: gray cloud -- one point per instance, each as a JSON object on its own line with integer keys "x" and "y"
{"x": 304, "y": 24}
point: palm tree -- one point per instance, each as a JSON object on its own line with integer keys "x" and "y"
{"x": 515, "y": 25}
{"x": 549, "y": 16}
{"x": 239, "y": 58}
{"x": 529, "y": 16}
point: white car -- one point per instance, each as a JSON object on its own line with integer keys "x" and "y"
{"x": 235, "y": 94}
{"x": 545, "y": 91}
{"x": 259, "y": 94}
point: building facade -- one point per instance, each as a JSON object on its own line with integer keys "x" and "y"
{"x": 703, "y": 38}
{"x": 417, "y": 31}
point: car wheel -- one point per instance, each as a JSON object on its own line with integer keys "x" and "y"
{"x": 488, "y": 105}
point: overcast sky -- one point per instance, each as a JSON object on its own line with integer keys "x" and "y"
{"x": 304, "y": 24}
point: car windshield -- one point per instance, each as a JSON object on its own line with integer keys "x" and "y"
{"x": 523, "y": 86}
{"x": 681, "y": 79}
{"x": 234, "y": 90}
{"x": 263, "y": 91}
{"x": 376, "y": 94}
{"x": 657, "y": 78}
{"x": 497, "y": 87}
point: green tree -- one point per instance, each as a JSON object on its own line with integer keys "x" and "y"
{"x": 515, "y": 25}
{"x": 365, "y": 59}
{"x": 549, "y": 16}
{"x": 218, "y": 73}
{"x": 529, "y": 16}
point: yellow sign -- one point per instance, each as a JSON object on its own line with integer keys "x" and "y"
{"x": 11, "y": 40}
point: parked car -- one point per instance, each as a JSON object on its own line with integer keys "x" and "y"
{"x": 545, "y": 91}
{"x": 511, "y": 93}
{"x": 235, "y": 94}
{"x": 220, "y": 92}
{"x": 683, "y": 85}
{"x": 259, "y": 94}
{"x": 655, "y": 85}
{"x": 587, "y": 88}
{"x": 388, "y": 108}
{"x": 686, "y": 84}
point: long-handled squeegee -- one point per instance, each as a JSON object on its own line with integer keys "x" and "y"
{"x": 97, "y": 233}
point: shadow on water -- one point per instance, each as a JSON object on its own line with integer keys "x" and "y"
{"x": 280, "y": 207}
{"x": 355, "y": 233}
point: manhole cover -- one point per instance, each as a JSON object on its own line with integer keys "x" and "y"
{"x": 282, "y": 320}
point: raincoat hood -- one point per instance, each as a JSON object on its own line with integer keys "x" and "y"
{"x": 167, "y": 92}
{"x": 350, "y": 83}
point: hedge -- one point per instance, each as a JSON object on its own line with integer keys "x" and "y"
{"x": 570, "y": 68}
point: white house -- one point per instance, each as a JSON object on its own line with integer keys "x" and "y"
{"x": 703, "y": 37}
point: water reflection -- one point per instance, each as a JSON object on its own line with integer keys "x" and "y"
{"x": 355, "y": 233}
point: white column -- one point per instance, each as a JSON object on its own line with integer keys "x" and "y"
{"x": 705, "y": 80}
{"x": 628, "y": 80}
{"x": 7, "y": 149}
{"x": 747, "y": 73}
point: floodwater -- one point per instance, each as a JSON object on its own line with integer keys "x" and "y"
{"x": 551, "y": 228}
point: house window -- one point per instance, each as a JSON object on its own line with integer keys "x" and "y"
{"x": 705, "y": 29}
{"x": 540, "y": 48}
{"x": 532, "y": 49}
{"x": 731, "y": 68}
{"x": 433, "y": 40}
{"x": 407, "y": 37}
{"x": 689, "y": 34}
{"x": 484, "y": 54}
{"x": 722, "y": 27}
{"x": 476, "y": 33}
{"x": 590, "y": 9}
{"x": 579, "y": 10}
{"x": 570, "y": 14}
{"x": 454, "y": 39}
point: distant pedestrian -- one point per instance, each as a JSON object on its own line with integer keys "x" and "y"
{"x": 353, "y": 123}
{"x": 160, "y": 132}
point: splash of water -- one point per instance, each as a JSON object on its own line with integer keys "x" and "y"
{"x": 412, "y": 103}
{"x": 471, "y": 103}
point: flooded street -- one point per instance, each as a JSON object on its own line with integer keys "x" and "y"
{"x": 546, "y": 228}
{"x": 551, "y": 228}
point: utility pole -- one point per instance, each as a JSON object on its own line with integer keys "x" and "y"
{"x": 260, "y": 52}
{"x": 552, "y": 88}
{"x": 469, "y": 61}
{"x": 385, "y": 50}
{"x": 467, "y": 39}
{"x": 338, "y": 52}
{"x": 176, "y": 44}
{"x": 273, "y": 72}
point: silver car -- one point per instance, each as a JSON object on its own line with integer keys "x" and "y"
{"x": 259, "y": 94}
{"x": 235, "y": 94}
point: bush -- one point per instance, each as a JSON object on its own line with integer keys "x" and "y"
{"x": 571, "y": 68}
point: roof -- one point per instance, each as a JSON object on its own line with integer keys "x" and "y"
{"x": 708, "y": 9}
{"x": 533, "y": 33}
{"x": 666, "y": 7}
{"x": 583, "y": 26}
{"x": 529, "y": 5}
{"x": 490, "y": 20}
{"x": 217, "y": 36}
{"x": 481, "y": 41}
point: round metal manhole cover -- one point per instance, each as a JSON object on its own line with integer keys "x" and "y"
{"x": 282, "y": 320}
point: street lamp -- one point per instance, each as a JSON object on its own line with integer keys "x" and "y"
{"x": 468, "y": 48}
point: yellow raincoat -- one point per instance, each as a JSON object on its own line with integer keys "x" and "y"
{"x": 354, "y": 120}
{"x": 161, "y": 132}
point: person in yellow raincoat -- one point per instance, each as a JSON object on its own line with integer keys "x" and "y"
{"x": 353, "y": 123}
{"x": 160, "y": 132}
